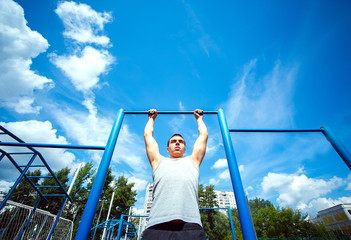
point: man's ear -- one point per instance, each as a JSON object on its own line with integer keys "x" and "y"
{"x": 168, "y": 149}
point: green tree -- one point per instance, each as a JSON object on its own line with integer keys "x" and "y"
{"x": 79, "y": 194}
{"x": 124, "y": 196}
{"x": 25, "y": 192}
{"x": 215, "y": 223}
{"x": 55, "y": 202}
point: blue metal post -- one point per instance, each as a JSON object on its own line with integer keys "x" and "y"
{"x": 120, "y": 227}
{"x": 23, "y": 174}
{"x": 57, "y": 219}
{"x": 231, "y": 223}
{"x": 90, "y": 208}
{"x": 337, "y": 145}
{"x": 243, "y": 209}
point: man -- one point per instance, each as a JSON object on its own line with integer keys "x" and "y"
{"x": 175, "y": 210}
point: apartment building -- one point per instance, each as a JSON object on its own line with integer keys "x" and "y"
{"x": 225, "y": 199}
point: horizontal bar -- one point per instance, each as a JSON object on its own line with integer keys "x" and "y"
{"x": 47, "y": 186}
{"x": 51, "y": 145}
{"x": 55, "y": 195}
{"x": 135, "y": 216}
{"x": 212, "y": 208}
{"x": 275, "y": 130}
{"x": 32, "y": 165}
{"x": 169, "y": 112}
{"x": 39, "y": 176}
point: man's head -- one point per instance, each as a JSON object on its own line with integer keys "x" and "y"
{"x": 176, "y": 146}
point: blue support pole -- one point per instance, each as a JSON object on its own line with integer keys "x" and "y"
{"x": 90, "y": 208}
{"x": 42, "y": 145}
{"x": 231, "y": 223}
{"x": 243, "y": 209}
{"x": 120, "y": 227}
{"x": 337, "y": 145}
{"x": 57, "y": 219}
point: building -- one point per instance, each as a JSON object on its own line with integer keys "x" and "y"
{"x": 225, "y": 199}
{"x": 148, "y": 199}
{"x": 337, "y": 217}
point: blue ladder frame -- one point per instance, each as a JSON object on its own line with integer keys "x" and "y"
{"x": 24, "y": 168}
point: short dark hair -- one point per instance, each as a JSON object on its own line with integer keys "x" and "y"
{"x": 176, "y": 134}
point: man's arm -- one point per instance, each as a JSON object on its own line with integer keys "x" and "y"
{"x": 152, "y": 150}
{"x": 201, "y": 142}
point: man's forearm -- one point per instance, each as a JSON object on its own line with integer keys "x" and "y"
{"x": 149, "y": 127}
{"x": 202, "y": 127}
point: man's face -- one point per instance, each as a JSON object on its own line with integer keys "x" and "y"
{"x": 176, "y": 147}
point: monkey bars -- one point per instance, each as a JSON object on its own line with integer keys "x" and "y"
{"x": 244, "y": 214}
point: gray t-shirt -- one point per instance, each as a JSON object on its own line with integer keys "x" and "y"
{"x": 175, "y": 194}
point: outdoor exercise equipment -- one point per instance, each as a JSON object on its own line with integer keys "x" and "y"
{"x": 90, "y": 209}
{"x": 244, "y": 214}
{"x": 34, "y": 155}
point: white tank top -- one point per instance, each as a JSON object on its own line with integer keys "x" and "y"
{"x": 175, "y": 194}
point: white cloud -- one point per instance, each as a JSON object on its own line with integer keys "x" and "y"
{"x": 220, "y": 163}
{"x": 82, "y": 23}
{"x": 19, "y": 44}
{"x": 84, "y": 69}
{"x": 137, "y": 211}
{"x": 214, "y": 181}
{"x": 349, "y": 182}
{"x": 206, "y": 43}
{"x": 225, "y": 175}
{"x": 91, "y": 129}
{"x": 5, "y": 186}
{"x": 37, "y": 132}
{"x": 297, "y": 190}
{"x": 322, "y": 203}
{"x": 139, "y": 184}
{"x": 266, "y": 102}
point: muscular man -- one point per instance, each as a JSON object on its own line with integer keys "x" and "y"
{"x": 175, "y": 209}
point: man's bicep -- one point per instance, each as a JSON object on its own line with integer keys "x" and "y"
{"x": 152, "y": 149}
{"x": 199, "y": 148}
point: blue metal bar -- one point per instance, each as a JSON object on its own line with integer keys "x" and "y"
{"x": 29, "y": 218}
{"x": 337, "y": 145}
{"x": 47, "y": 186}
{"x": 275, "y": 130}
{"x": 15, "y": 144}
{"x": 57, "y": 219}
{"x": 39, "y": 176}
{"x": 243, "y": 209}
{"x": 32, "y": 165}
{"x": 90, "y": 208}
{"x": 55, "y": 195}
{"x": 231, "y": 223}
{"x": 26, "y": 177}
{"x": 169, "y": 112}
{"x": 23, "y": 174}
{"x": 119, "y": 234}
{"x": 54, "y": 176}
{"x": 2, "y": 156}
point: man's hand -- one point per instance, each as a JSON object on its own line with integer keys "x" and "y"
{"x": 198, "y": 113}
{"x": 152, "y": 114}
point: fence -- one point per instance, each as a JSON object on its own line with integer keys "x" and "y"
{"x": 14, "y": 215}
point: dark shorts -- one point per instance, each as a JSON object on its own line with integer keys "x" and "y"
{"x": 174, "y": 231}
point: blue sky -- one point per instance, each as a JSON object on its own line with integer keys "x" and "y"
{"x": 67, "y": 67}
